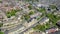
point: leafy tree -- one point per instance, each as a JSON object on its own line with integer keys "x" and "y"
{"x": 41, "y": 10}
{"x": 0, "y": 1}
{"x": 52, "y": 6}
{"x": 27, "y": 17}
{"x": 1, "y": 24}
{"x": 31, "y": 13}
{"x": 30, "y": 7}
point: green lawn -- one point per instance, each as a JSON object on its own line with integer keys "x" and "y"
{"x": 1, "y": 32}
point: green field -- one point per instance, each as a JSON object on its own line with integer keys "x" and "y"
{"x": 1, "y": 32}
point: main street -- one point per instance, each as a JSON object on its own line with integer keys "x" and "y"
{"x": 36, "y": 23}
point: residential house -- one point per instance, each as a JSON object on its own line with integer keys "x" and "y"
{"x": 36, "y": 32}
{"x": 51, "y": 30}
{"x": 36, "y": 15}
{"x": 15, "y": 30}
{"x": 57, "y": 32}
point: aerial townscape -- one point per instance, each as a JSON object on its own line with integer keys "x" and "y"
{"x": 29, "y": 16}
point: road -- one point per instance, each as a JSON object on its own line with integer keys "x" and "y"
{"x": 30, "y": 26}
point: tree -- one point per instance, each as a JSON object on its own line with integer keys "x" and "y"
{"x": 27, "y": 17}
{"x": 31, "y": 12}
{"x": 1, "y": 24}
{"x": 52, "y": 6}
{"x": 30, "y": 7}
{"x": 43, "y": 10}
{"x": 12, "y": 13}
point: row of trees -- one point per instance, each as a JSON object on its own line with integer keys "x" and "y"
{"x": 11, "y": 13}
{"x": 27, "y": 16}
{"x": 42, "y": 27}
